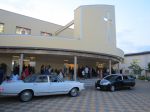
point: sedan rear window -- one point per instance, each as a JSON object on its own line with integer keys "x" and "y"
{"x": 42, "y": 79}
{"x": 30, "y": 79}
{"x": 111, "y": 77}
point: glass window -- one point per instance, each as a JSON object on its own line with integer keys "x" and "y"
{"x": 136, "y": 60}
{"x": 125, "y": 77}
{"x": 111, "y": 77}
{"x": 42, "y": 79}
{"x": 30, "y": 79}
{"x": 1, "y": 27}
{"x": 119, "y": 78}
{"x": 53, "y": 78}
{"x": 23, "y": 31}
{"x": 45, "y": 34}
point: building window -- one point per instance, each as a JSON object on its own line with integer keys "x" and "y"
{"x": 136, "y": 60}
{"x": 1, "y": 27}
{"x": 45, "y": 34}
{"x": 23, "y": 31}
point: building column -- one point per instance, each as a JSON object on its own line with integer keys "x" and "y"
{"x": 119, "y": 68}
{"x": 75, "y": 68}
{"x": 109, "y": 67}
{"x": 21, "y": 64}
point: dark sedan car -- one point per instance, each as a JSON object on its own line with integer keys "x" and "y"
{"x": 114, "y": 82}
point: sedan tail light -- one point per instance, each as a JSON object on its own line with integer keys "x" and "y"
{"x": 1, "y": 89}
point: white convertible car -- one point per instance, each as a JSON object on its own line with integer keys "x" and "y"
{"x": 39, "y": 85}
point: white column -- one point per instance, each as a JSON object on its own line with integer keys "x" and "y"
{"x": 21, "y": 64}
{"x": 119, "y": 67}
{"x": 109, "y": 67}
{"x": 75, "y": 68}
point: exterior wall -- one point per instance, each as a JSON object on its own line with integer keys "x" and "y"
{"x": 11, "y": 20}
{"x": 90, "y": 31}
{"x": 57, "y": 43}
{"x": 142, "y": 60}
{"x": 90, "y": 34}
{"x": 90, "y": 24}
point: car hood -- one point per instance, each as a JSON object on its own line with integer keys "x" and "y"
{"x": 104, "y": 80}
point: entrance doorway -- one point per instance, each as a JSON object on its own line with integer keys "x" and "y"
{"x": 27, "y": 62}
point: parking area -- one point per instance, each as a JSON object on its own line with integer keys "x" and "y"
{"x": 90, "y": 100}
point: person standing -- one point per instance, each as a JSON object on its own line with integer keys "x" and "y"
{"x": 42, "y": 69}
{"x": 15, "y": 77}
{"x": 86, "y": 71}
{"x": 1, "y": 74}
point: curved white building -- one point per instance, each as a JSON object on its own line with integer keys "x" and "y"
{"x": 91, "y": 42}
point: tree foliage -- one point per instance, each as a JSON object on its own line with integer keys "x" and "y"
{"x": 136, "y": 68}
{"x": 149, "y": 66}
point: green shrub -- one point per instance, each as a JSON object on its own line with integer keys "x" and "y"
{"x": 148, "y": 78}
{"x": 144, "y": 78}
{"x": 141, "y": 77}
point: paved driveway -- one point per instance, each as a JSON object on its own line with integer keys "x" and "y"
{"x": 90, "y": 100}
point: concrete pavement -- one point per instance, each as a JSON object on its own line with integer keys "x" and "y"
{"x": 90, "y": 100}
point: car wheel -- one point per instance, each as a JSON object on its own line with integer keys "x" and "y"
{"x": 74, "y": 92}
{"x": 112, "y": 88}
{"x": 26, "y": 95}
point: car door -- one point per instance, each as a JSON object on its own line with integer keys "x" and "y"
{"x": 58, "y": 86}
{"x": 127, "y": 81}
{"x": 119, "y": 82}
{"x": 41, "y": 85}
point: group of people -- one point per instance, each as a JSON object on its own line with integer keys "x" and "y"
{"x": 83, "y": 72}
{"x": 26, "y": 71}
{"x": 65, "y": 72}
{"x": 1, "y": 74}
{"x": 86, "y": 72}
{"x": 48, "y": 70}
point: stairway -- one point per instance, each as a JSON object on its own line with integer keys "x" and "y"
{"x": 88, "y": 82}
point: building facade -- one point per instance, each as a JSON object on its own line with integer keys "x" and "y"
{"x": 141, "y": 58}
{"x": 92, "y": 41}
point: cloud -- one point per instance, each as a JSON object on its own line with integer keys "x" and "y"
{"x": 129, "y": 41}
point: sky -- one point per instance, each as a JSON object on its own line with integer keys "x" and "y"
{"x": 132, "y": 17}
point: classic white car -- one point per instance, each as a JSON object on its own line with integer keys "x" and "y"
{"x": 39, "y": 85}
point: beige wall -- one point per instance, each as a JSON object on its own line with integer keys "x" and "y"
{"x": 55, "y": 42}
{"x": 11, "y": 20}
{"x": 89, "y": 34}
{"x": 142, "y": 61}
{"x": 90, "y": 24}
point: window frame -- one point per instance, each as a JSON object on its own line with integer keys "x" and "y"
{"x": 46, "y": 34}
{"x": 41, "y": 81}
{"x": 23, "y": 29}
{"x": 3, "y": 28}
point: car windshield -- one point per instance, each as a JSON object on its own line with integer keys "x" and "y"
{"x": 111, "y": 77}
{"x": 30, "y": 78}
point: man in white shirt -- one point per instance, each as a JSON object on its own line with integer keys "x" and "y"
{"x": 15, "y": 77}
{"x": 86, "y": 71}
